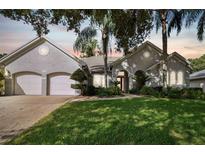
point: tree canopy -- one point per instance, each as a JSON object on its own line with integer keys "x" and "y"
{"x": 85, "y": 42}
{"x": 198, "y": 63}
{"x": 131, "y": 27}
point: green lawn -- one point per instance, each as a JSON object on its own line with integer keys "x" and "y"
{"x": 125, "y": 121}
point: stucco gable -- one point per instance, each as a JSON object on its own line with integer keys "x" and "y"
{"x": 31, "y": 45}
{"x": 176, "y": 56}
{"x": 146, "y": 45}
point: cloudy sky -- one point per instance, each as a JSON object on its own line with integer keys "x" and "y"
{"x": 14, "y": 34}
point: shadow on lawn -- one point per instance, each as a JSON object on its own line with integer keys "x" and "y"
{"x": 129, "y": 121}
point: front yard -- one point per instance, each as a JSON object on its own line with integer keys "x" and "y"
{"x": 125, "y": 121}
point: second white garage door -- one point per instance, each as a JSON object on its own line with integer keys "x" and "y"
{"x": 61, "y": 85}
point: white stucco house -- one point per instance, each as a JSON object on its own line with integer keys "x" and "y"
{"x": 41, "y": 67}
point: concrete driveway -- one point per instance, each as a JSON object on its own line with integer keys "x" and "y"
{"x": 18, "y": 113}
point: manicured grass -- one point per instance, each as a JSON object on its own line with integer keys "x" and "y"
{"x": 126, "y": 121}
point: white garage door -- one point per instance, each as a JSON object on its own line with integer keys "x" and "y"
{"x": 61, "y": 85}
{"x": 28, "y": 84}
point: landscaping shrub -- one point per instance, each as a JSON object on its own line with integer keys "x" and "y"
{"x": 103, "y": 92}
{"x": 134, "y": 91}
{"x": 82, "y": 84}
{"x": 149, "y": 91}
{"x": 114, "y": 89}
{"x": 140, "y": 78}
{"x": 90, "y": 91}
{"x": 192, "y": 93}
{"x": 173, "y": 92}
{"x": 111, "y": 91}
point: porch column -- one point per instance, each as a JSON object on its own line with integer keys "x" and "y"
{"x": 9, "y": 87}
{"x": 44, "y": 84}
{"x": 130, "y": 81}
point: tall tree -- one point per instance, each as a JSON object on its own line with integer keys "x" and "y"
{"x": 39, "y": 19}
{"x": 103, "y": 20}
{"x": 85, "y": 42}
{"x": 198, "y": 63}
{"x": 167, "y": 20}
{"x": 132, "y": 27}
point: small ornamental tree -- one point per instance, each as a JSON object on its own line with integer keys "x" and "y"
{"x": 140, "y": 79}
{"x": 81, "y": 78}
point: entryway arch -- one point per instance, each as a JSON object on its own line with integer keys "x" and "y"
{"x": 122, "y": 77}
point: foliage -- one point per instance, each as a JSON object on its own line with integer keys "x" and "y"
{"x": 134, "y": 91}
{"x": 140, "y": 79}
{"x": 192, "y": 93}
{"x": 167, "y": 20}
{"x": 39, "y": 18}
{"x": 79, "y": 76}
{"x": 197, "y": 15}
{"x": 85, "y": 42}
{"x": 149, "y": 91}
{"x": 113, "y": 90}
{"x": 174, "y": 92}
{"x": 135, "y": 121}
{"x": 82, "y": 85}
{"x": 131, "y": 27}
{"x": 198, "y": 63}
{"x": 103, "y": 19}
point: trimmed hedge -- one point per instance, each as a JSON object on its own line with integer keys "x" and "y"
{"x": 111, "y": 91}
{"x": 171, "y": 92}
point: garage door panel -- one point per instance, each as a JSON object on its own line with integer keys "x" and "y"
{"x": 28, "y": 84}
{"x": 61, "y": 85}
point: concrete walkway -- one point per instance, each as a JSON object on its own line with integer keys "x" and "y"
{"x": 18, "y": 113}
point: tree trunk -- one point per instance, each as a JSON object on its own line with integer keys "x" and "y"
{"x": 105, "y": 39}
{"x": 105, "y": 69}
{"x": 164, "y": 44}
{"x": 126, "y": 50}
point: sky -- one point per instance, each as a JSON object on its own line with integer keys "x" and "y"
{"x": 14, "y": 34}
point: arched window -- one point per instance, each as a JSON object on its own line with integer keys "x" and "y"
{"x": 172, "y": 78}
{"x": 180, "y": 78}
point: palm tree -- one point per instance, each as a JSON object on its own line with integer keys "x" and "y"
{"x": 167, "y": 20}
{"x": 107, "y": 29}
{"x": 192, "y": 16}
{"x": 103, "y": 20}
{"x": 85, "y": 42}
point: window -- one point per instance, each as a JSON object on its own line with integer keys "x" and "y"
{"x": 180, "y": 77}
{"x": 99, "y": 80}
{"x": 172, "y": 78}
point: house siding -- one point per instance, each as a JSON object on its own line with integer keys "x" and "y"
{"x": 32, "y": 61}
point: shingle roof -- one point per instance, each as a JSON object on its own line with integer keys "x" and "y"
{"x": 197, "y": 75}
{"x": 97, "y": 62}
